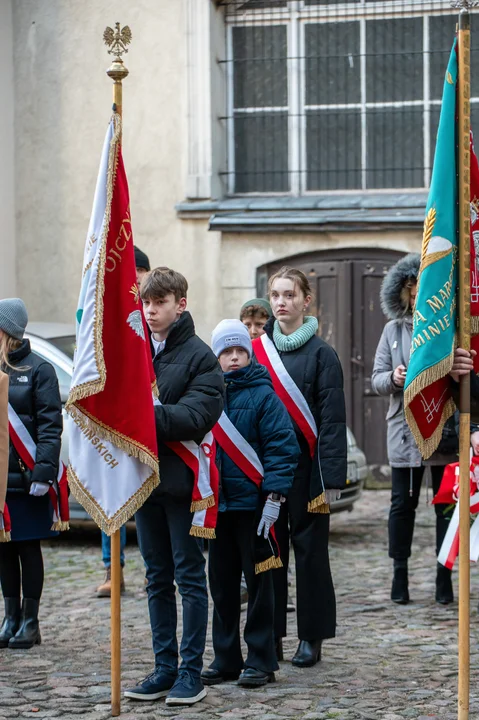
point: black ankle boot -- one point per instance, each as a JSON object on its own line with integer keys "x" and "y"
{"x": 28, "y": 633}
{"x": 444, "y": 592}
{"x": 307, "y": 654}
{"x": 11, "y": 621}
{"x": 399, "y": 590}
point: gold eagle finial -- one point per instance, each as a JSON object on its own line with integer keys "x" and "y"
{"x": 117, "y": 39}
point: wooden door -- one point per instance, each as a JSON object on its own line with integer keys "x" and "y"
{"x": 346, "y": 302}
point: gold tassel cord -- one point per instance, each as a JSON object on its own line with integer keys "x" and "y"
{"x": 5, "y": 536}
{"x": 319, "y": 505}
{"x": 60, "y": 526}
{"x": 272, "y": 563}
{"x": 110, "y": 525}
{"x": 203, "y": 504}
{"x": 203, "y": 532}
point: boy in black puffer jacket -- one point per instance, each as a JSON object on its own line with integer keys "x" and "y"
{"x": 258, "y": 454}
{"x": 191, "y": 390}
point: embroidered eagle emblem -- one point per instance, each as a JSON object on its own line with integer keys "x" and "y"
{"x": 135, "y": 321}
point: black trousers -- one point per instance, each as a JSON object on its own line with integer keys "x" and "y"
{"x": 21, "y": 565}
{"x": 229, "y": 555}
{"x": 315, "y": 598}
{"x": 406, "y": 487}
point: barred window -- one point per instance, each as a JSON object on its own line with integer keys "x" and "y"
{"x": 325, "y": 95}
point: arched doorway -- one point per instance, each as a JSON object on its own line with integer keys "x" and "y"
{"x": 346, "y": 285}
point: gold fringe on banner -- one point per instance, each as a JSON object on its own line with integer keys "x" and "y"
{"x": 319, "y": 505}
{"x": 5, "y": 536}
{"x": 426, "y": 378}
{"x": 271, "y": 563}
{"x": 203, "y": 532}
{"x": 475, "y": 325}
{"x": 80, "y": 392}
{"x": 110, "y": 525}
{"x": 203, "y": 504}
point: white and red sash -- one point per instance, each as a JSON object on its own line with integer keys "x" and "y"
{"x": 26, "y": 448}
{"x": 450, "y": 545}
{"x": 245, "y": 457}
{"x": 287, "y": 390}
{"x": 238, "y": 449}
{"x": 5, "y": 525}
{"x": 201, "y": 459}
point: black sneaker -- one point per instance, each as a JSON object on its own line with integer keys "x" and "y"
{"x": 187, "y": 690}
{"x": 155, "y": 686}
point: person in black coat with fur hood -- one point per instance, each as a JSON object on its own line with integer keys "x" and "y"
{"x": 312, "y": 372}
{"x": 35, "y": 397}
{"x": 398, "y": 293}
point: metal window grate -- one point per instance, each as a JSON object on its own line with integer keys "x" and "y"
{"x": 324, "y": 95}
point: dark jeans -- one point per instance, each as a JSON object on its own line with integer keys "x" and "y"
{"x": 171, "y": 553}
{"x": 106, "y": 547}
{"x": 315, "y": 598}
{"x": 21, "y": 562}
{"x": 403, "y": 509}
{"x": 231, "y": 553}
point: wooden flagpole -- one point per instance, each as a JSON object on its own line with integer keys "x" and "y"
{"x": 116, "y": 40}
{"x": 463, "y": 101}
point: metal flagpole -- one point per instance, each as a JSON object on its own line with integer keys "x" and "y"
{"x": 116, "y": 40}
{"x": 463, "y": 102}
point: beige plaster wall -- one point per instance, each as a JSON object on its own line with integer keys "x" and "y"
{"x": 7, "y": 170}
{"x": 62, "y": 107}
{"x": 63, "y": 104}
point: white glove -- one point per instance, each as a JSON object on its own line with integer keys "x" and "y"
{"x": 270, "y": 515}
{"x": 38, "y": 489}
{"x": 332, "y": 495}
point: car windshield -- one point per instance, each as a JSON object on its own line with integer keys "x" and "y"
{"x": 65, "y": 343}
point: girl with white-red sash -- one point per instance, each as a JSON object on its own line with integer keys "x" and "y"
{"x": 35, "y": 421}
{"x": 307, "y": 376}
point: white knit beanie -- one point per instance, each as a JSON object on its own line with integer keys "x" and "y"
{"x": 230, "y": 333}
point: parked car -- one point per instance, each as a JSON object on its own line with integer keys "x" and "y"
{"x": 56, "y": 343}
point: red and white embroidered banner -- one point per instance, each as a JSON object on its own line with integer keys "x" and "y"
{"x": 238, "y": 449}
{"x": 26, "y": 448}
{"x": 113, "y": 464}
{"x": 287, "y": 390}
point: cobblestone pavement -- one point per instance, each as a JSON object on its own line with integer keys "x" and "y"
{"x": 388, "y": 662}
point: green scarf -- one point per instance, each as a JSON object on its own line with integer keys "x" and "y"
{"x": 286, "y": 343}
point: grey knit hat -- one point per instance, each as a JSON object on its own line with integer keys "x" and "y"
{"x": 13, "y": 317}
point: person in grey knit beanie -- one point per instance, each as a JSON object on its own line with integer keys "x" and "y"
{"x": 13, "y": 317}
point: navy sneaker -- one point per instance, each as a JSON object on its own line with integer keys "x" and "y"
{"x": 154, "y": 686}
{"x": 187, "y": 690}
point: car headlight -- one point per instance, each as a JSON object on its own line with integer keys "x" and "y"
{"x": 352, "y": 473}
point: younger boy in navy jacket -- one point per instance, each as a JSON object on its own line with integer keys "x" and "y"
{"x": 247, "y": 512}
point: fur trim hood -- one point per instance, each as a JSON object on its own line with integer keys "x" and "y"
{"x": 391, "y": 302}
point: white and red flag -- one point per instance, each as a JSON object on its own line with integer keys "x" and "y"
{"x": 113, "y": 464}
